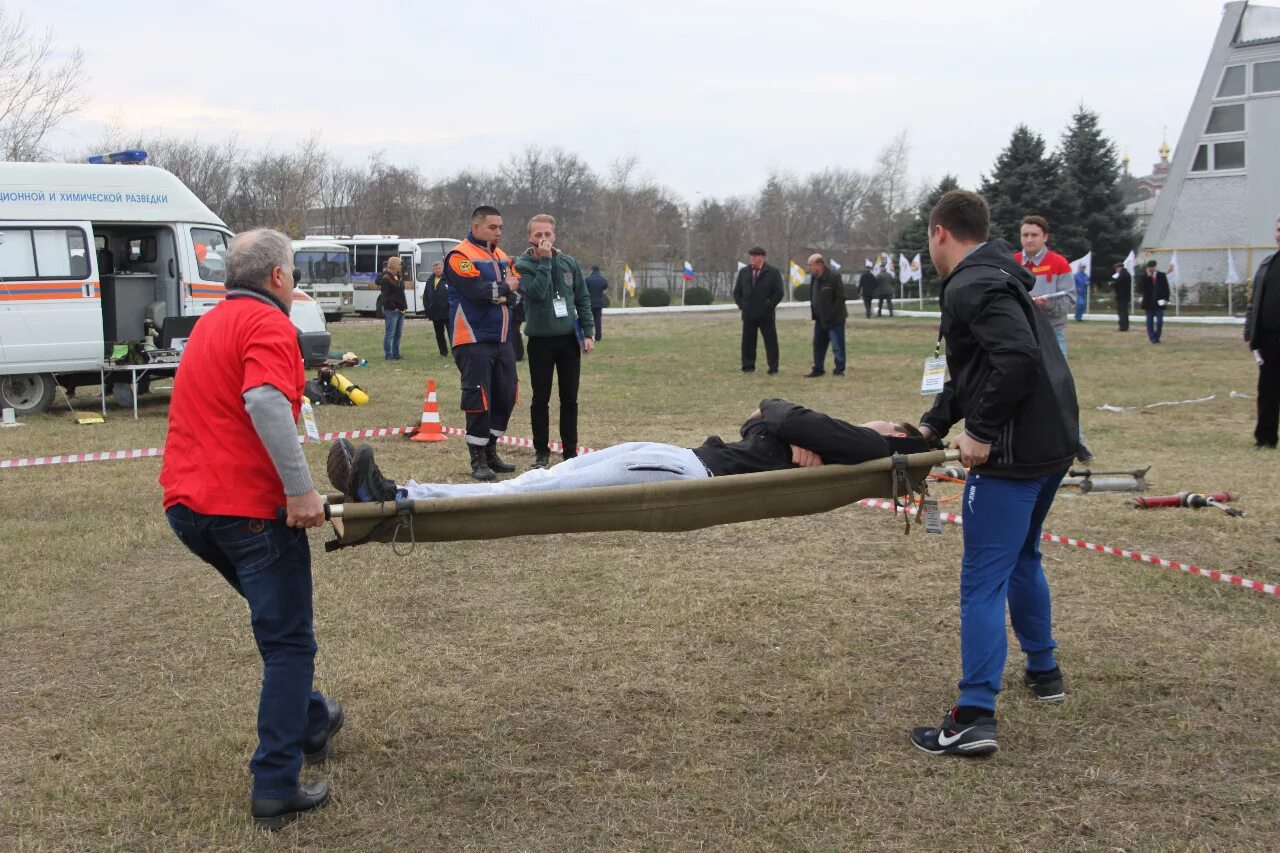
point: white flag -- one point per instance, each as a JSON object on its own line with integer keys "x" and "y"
{"x": 832, "y": 263}
{"x": 1087, "y": 260}
{"x": 904, "y": 269}
{"x": 867, "y": 263}
{"x": 917, "y": 271}
{"x": 1131, "y": 263}
{"x": 878, "y": 268}
{"x": 798, "y": 275}
{"x": 740, "y": 266}
{"x": 629, "y": 279}
{"x": 888, "y": 262}
{"x": 1233, "y": 275}
{"x": 1174, "y": 274}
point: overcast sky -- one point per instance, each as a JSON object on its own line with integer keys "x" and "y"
{"x": 709, "y": 94}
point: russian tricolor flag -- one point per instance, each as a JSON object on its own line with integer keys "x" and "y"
{"x": 688, "y": 271}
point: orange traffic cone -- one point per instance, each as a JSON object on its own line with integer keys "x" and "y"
{"x": 429, "y": 429}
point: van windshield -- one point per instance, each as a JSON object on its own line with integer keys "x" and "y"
{"x": 323, "y": 266}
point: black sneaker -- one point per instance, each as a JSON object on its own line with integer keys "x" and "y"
{"x": 952, "y": 738}
{"x": 814, "y": 373}
{"x": 1047, "y": 686}
{"x": 541, "y": 459}
{"x": 339, "y": 464}
{"x": 367, "y": 483}
{"x": 1083, "y": 455}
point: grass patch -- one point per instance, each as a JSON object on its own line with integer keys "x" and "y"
{"x": 744, "y": 687}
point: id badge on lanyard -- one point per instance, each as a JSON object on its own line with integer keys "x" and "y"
{"x": 561, "y": 307}
{"x": 935, "y": 371}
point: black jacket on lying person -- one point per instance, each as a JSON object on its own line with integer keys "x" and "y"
{"x": 767, "y": 439}
{"x": 1009, "y": 380}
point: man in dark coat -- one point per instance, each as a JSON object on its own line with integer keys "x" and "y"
{"x": 757, "y": 292}
{"x": 436, "y": 294}
{"x": 826, "y": 307}
{"x": 1122, "y": 282}
{"x": 867, "y": 289}
{"x": 1262, "y": 335}
{"x": 1153, "y": 287}
{"x": 884, "y": 292}
{"x": 1011, "y": 386}
{"x": 597, "y": 286}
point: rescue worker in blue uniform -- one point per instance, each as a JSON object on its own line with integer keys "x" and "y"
{"x": 483, "y": 291}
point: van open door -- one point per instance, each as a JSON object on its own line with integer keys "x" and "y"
{"x": 408, "y": 275}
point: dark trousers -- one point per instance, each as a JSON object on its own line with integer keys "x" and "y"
{"x": 768, "y": 328}
{"x": 517, "y": 344}
{"x": 1122, "y": 313}
{"x": 866, "y": 301}
{"x": 548, "y": 357}
{"x": 442, "y": 335}
{"x": 1155, "y": 324}
{"x": 488, "y": 388}
{"x": 880, "y": 307}
{"x": 597, "y": 316}
{"x": 270, "y": 565}
{"x": 1268, "y": 392}
{"x": 821, "y": 338}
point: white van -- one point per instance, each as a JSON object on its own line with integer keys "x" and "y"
{"x": 324, "y": 273}
{"x": 370, "y": 253}
{"x": 92, "y": 256}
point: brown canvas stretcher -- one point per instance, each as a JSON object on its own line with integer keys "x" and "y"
{"x": 667, "y": 507}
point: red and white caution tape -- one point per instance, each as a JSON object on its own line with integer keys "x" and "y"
{"x": 152, "y": 452}
{"x": 1189, "y": 568}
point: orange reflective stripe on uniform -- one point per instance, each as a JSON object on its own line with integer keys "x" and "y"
{"x": 462, "y": 333}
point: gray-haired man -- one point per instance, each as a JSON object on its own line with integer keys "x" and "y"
{"x": 231, "y": 463}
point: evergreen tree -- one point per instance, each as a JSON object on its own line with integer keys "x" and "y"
{"x": 1089, "y": 162}
{"x": 915, "y": 234}
{"x": 1028, "y": 181}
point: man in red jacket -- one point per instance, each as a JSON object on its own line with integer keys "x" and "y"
{"x": 231, "y": 462}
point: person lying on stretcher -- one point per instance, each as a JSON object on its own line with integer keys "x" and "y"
{"x": 776, "y": 436}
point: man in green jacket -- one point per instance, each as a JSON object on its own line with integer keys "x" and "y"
{"x": 560, "y": 327}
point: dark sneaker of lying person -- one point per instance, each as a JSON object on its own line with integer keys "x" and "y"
{"x": 367, "y": 483}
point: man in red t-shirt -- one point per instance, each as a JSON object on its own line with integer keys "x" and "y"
{"x": 231, "y": 462}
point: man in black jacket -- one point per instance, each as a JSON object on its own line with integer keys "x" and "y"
{"x": 1011, "y": 385}
{"x": 1153, "y": 287}
{"x": 436, "y": 294}
{"x": 597, "y": 286}
{"x": 867, "y": 288}
{"x": 757, "y": 292}
{"x": 777, "y": 436}
{"x": 1262, "y": 335}
{"x": 1122, "y": 283}
{"x": 826, "y": 307}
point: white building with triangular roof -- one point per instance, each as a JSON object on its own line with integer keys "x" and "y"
{"x": 1223, "y": 187}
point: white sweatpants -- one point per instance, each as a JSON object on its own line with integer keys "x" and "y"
{"x": 620, "y": 465}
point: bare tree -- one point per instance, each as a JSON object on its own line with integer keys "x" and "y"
{"x": 36, "y": 92}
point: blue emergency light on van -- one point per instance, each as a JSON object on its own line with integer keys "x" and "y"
{"x": 132, "y": 155}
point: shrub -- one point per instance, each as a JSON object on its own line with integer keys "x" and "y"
{"x": 801, "y": 293}
{"x": 652, "y": 297}
{"x": 607, "y": 300}
{"x": 697, "y": 296}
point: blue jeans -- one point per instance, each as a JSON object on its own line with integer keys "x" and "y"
{"x": 1001, "y": 562}
{"x": 391, "y": 339}
{"x": 821, "y": 338}
{"x": 1155, "y": 324}
{"x": 270, "y": 565}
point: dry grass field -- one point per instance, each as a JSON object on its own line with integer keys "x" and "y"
{"x": 748, "y": 687}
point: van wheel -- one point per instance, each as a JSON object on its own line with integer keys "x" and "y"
{"x": 27, "y": 393}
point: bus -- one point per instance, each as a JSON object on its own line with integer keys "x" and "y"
{"x": 370, "y": 252}
{"x": 325, "y": 269}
